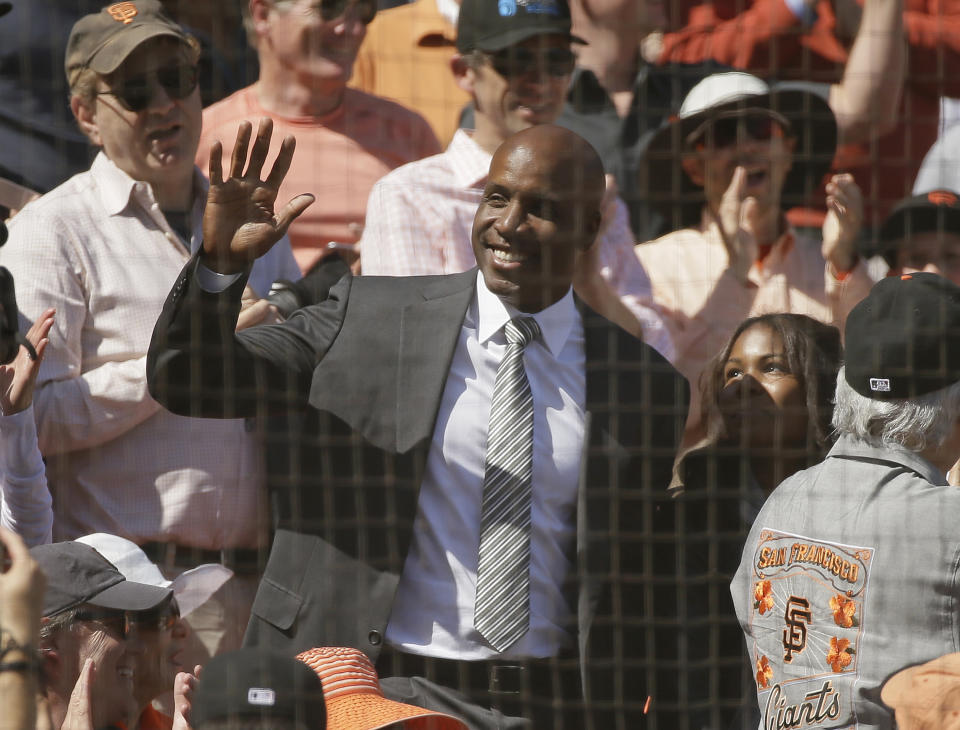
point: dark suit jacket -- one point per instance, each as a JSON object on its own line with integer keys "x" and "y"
{"x": 372, "y": 360}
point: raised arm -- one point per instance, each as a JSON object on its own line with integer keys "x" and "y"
{"x": 25, "y": 503}
{"x": 867, "y": 99}
{"x": 197, "y": 365}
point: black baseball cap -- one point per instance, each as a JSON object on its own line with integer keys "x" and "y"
{"x": 903, "y": 340}
{"x": 492, "y": 25}
{"x": 78, "y": 574}
{"x": 931, "y": 212}
{"x": 261, "y": 684}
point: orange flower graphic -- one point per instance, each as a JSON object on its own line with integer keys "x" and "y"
{"x": 764, "y": 672}
{"x": 840, "y": 654}
{"x": 843, "y": 610}
{"x": 763, "y": 597}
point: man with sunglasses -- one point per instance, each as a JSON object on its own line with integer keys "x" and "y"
{"x": 747, "y": 148}
{"x": 103, "y": 249}
{"x": 515, "y": 62}
{"x": 306, "y": 50}
{"x": 88, "y": 614}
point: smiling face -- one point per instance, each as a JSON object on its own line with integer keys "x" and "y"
{"x": 115, "y": 659}
{"x": 539, "y": 211}
{"x": 157, "y": 144}
{"x": 509, "y": 100}
{"x": 300, "y": 37}
{"x": 762, "y": 402}
{"x": 164, "y": 636}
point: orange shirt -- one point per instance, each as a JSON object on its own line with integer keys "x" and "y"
{"x": 339, "y": 157}
{"x": 406, "y": 57}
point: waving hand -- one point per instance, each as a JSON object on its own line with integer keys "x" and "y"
{"x": 239, "y": 224}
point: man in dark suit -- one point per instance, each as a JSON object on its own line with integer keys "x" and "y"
{"x": 382, "y": 535}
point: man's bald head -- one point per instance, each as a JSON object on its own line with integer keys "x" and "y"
{"x": 540, "y": 209}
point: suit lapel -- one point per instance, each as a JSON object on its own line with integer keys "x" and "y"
{"x": 429, "y": 331}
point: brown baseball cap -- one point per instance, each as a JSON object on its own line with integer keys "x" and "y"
{"x": 926, "y": 696}
{"x": 102, "y": 41}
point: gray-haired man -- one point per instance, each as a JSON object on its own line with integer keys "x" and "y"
{"x": 852, "y": 568}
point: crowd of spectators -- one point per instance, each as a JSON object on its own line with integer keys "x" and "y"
{"x": 479, "y": 364}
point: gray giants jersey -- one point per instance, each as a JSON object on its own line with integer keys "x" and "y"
{"x": 850, "y": 572}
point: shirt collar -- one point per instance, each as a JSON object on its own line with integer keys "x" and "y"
{"x": 469, "y": 163}
{"x": 556, "y": 321}
{"x": 849, "y": 446}
{"x": 117, "y": 188}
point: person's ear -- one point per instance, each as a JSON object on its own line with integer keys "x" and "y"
{"x": 592, "y": 225}
{"x": 259, "y": 10}
{"x": 85, "y": 114}
{"x": 693, "y": 166}
{"x": 463, "y": 73}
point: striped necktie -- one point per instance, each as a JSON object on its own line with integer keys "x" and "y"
{"x": 501, "y": 612}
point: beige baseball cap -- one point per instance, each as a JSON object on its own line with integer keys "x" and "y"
{"x": 926, "y": 696}
{"x": 102, "y": 41}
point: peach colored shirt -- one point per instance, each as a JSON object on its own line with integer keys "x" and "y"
{"x": 691, "y": 279}
{"x": 339, "y": 157}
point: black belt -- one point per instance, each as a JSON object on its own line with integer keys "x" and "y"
{"x": 244, "y": 561}
{"x": 487, "y": 680}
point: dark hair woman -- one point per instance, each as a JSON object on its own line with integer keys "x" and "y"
{"x": 766, "y": 405}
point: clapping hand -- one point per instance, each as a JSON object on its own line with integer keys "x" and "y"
{"x": 842, "y": 224}
{"x": 18, "y": 378}
{"x": 239, "y": 224}
{"x": 737, "y": 218}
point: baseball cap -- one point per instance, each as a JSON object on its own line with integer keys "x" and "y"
{"x": 930, "y": 212}
{"x": 903, "y": 340}
{"x": 102, "y": 41}
{"x": 78, "y": 574}
{"x": 354, "y": 699}
{"x": 261, "y": 684}
{"x": 492, "y": 25}
{"x": 191, "y": 588}
{"x": 926, "y": 696}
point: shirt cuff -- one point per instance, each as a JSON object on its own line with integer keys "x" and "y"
{"x": 212, "y": 281}
{"x": 805, "y": 13}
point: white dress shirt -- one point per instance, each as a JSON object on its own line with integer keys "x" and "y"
{"x": 433, "y": 607}
{"x": 99, "y": 249}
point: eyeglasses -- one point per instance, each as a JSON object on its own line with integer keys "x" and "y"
{"x": 116, "y": 622}
{"x": 328, "y": 10}
{"x": 728, "y": 131}
{"x": 135, "y": 92}
{"x": 517, "y": 61}
{"x": 158, "y": 619}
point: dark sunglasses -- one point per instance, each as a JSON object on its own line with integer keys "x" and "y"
{"x": 728, "y": 131}
{"x": 158, "y": 619}
{"x": 116, "y": 622}
{"x": 135, "y": 92}
{"x": 332, "y": 9}
{"x": 511, "y": 62}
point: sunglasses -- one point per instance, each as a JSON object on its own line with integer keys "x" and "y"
{"x": 328, "y": 10}
{"x": 728, "y": 131}
{"x": 116, "y": 622}
{"x": 512, "y": 62}
{"x": 158, "y": 619}
{"x": 135, "y": 92}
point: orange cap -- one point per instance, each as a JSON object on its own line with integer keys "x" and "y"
{"x": 354, "y": 700}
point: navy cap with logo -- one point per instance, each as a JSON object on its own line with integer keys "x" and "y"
{"x": 258, "y": 683}
{"x": 903, "y": 340}
{"x": 492, "y": 25}
{"x": 78, "y": 574}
